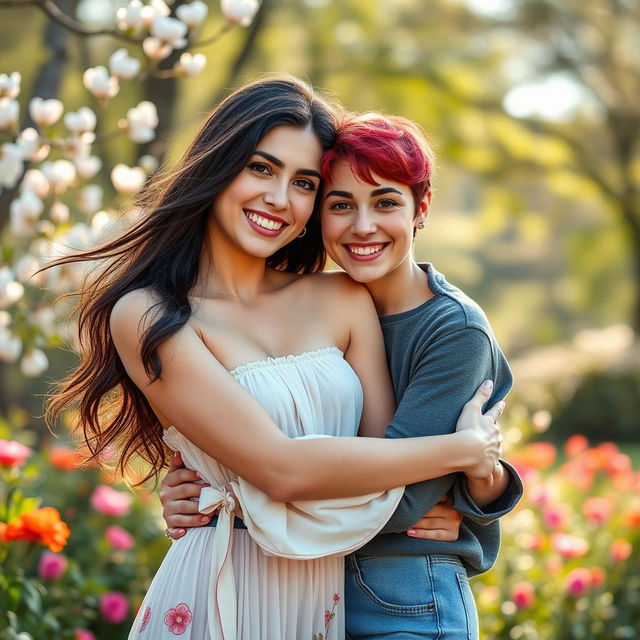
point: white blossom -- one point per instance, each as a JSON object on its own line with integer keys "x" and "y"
{"x": 10, "y": 345}
{"x": 61, "y": 174}
{"x": 80, "y": 121}
{"x": 191, "y": 65}
{"x": 169, "y": 30}
{"x": 148, "y": 163}
{"x": 10, "y": 290}
{"x": 154, "y": 9}
{"x": 128, "y": 180}
{"x": 24, "y": 213}
{"x": 10, "y": 85}
{"x": 46, "y": 228}
{"x": 32, "y": 146}
{"x": 9, "y": 113}
{"x": 79, "y": 146}
{"x": 25, "y": 269}
{"x": 45, "y": 112}
{"x": 34, "y": 363}
{"x": 34, "y": 180}
{"x": 100, "y": 222}
{"x": 59, "y": 212}
{"x": 240, "y": 12}
{"x": 156, "y": 49}
{"x": 130, "y": 17}
{"x": 193, "y": 14}
{"x": 44, "y": 319}
{"x": 87, "y": 166}
{"x": 123, "y": 66}
{"x": 99, "y": 83}
{"x": 142, "y": 121}
{"x": 90, "y": 198}
{"x": 11, "y": 165}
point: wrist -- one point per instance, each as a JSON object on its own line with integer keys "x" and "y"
{"x": 466, "y": 452}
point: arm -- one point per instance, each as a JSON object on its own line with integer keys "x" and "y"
{"x": 447, "y": 373}
{"x": 198, "y": 396}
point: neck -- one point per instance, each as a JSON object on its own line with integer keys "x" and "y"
{"x": 405, "y": 288}
{"x": 226, "y": 271}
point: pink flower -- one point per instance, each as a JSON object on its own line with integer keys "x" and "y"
{"x": 114, "y": 607}
{"x": 83, "y": 634}
{"x": 118, "y": 538}
{"x": 620, "y": 550}
{"x": 145, "y": 619}
{"x": 336, "y": 597}
{"x": 110, "y": 502}
{"x": 569, "y": 546}
{"x": 554, "y": 516}
{"x": 523, "y": 595}
{"x": 327, "y": 617}
{"x": 12, "y": 453}
{"x": 598, "y": 510}
{"x": 51, "y": 565}
{"x": 178, "y": 619}
{"x": 578, "y": 582}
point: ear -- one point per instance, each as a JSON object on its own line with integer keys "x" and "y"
{"x": 423, "y": 209}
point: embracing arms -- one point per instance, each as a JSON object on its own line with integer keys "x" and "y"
{"x": 198, "y": 396}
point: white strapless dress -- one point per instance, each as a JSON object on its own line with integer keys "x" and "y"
{"x": 282, "y": 578}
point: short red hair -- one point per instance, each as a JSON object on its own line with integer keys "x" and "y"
{"x": 389, "y": 146}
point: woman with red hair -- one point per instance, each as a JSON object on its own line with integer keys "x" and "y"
{"x": 440, "y": 347}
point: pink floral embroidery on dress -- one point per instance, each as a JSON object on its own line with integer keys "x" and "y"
{"x": 178, "y": 619}
{"x": 329, "y": 615}
{"x": 145, "y": 619}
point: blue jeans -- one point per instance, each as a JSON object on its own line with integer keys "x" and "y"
{"x": 394, "y": 597}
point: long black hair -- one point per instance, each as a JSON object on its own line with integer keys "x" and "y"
{"x": 161, "y": 252}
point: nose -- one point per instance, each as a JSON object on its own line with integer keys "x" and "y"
{"x": 277, "y": 195}
{"x": 363, "y": 223}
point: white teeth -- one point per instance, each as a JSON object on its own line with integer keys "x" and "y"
{"x": 264, "y": 222}
{"x": 366, "y": 251}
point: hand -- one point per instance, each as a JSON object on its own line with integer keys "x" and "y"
{"x": 176, "y": 489}
{"x": 482, "y": 433}
{"x": 439, "y": 523}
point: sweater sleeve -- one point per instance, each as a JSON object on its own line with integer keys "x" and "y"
{"x": 445, "y": 376}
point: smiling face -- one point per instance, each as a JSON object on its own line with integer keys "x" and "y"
{"x": 270, "y": 201}
{"x": 368, "y": 229}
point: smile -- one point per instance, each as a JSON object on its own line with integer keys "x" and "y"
{"x": 263, "y": 223}
{"x": 365, "y": 252}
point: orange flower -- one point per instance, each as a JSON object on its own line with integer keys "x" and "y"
{"x": 598, "y": 510}
{"x": 65, "y": 459}
{"x": 540, "y": 455}
{"x": 40, "y": 525}
{"x": 575, "y": 445}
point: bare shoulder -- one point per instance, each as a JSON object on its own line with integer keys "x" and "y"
{"x": 339, "y": 284}
{"x": 131, "y": 312}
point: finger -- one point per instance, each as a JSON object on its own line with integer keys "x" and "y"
{"x": 175, "y": 533}
{"x": 184, "y": 507}
{"x": 482, "y": 394}
{"x": 446, "y": 499}
{"x": 496, "y": 411}
{"x": 180, "y": 476}
{"x": 433, "y": 534}
{"x": 176, "y": 461}
{"x": 181, "y": 521}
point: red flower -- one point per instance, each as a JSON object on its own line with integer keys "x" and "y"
{"x": 620, "y": 550}
{"x": 578, "y": 582}
{"x": 336, "y": 597}
{"x": 65, "y": 459}
{"x": 145, "y": 619}
{"x": 523, "y": 595}
{"x": 13, "y": 454}
{"x": 178, "y": 619}
{"x": 598, "y": 510}
{"x": 327, "y": 617}
{"x": 40, "y": 525}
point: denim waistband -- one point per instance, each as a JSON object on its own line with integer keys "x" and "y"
{"x": 237, "y": 523}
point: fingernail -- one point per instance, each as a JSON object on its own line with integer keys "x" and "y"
{"x": 487, "y": 384}
{"x": 411, "y": 532}
{"x": 199, "y": 475}
{"x": 205, "y": 519}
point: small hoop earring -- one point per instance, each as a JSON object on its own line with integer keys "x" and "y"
{"x": 303, "y": 233}
{"x": 421, "y": 224}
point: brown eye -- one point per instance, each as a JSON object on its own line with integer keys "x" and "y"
{"x": 260, "y": 167}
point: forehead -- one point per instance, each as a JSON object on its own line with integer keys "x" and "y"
{"x": 296, "y": 147}
{"x": 344, "y": 178}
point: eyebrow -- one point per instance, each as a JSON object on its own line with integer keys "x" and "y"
{"x": 375, "y": 192}
{"x": 280, "y": 164}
